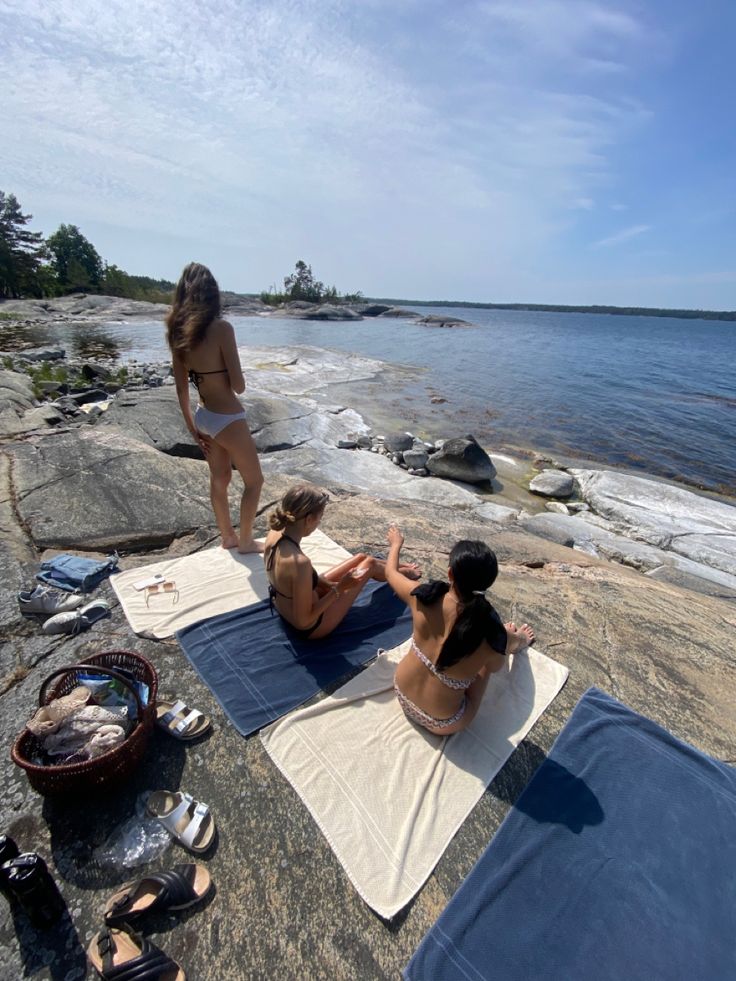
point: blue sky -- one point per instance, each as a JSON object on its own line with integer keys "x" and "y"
{"x": 559, "y": 151}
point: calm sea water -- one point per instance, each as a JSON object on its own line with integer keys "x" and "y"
{"x": 645, "y": 393}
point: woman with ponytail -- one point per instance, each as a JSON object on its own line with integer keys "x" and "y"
{"x": 314, "y": 605}
{"x": 458, "y": 639}
{"x": 204, "y": 353}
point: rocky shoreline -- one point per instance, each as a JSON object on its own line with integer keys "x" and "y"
{"x": 91, "y": 308}
{"x": 641, "y": 605}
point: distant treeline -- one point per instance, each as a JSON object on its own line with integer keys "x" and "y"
{"x": 65, "y": 262}
{"x": 559, "y": 308}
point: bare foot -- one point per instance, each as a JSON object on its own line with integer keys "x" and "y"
{"x": 251, "y": 546}
{"x": 518, "y": 637}
{"x": 230, "y": 541}
{"x": 411, "y": 570}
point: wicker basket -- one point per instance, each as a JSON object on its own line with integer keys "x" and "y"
{"x": 112, "y": 767}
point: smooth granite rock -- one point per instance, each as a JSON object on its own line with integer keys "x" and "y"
{"x": 462, "y": 458}
{"x": 552, "y": 483}
{"x": 16, "y": 391}
{"x": 593, "y": 535}
{"x": 668, "y": 517}
{"x": 328, "y": 311}
{"x": 370, "y": 473}
{"x": 99, "y": 490}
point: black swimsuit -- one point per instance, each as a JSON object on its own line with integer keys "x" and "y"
{"x": 197, "y": 377}
{"x": 272, "y": 591}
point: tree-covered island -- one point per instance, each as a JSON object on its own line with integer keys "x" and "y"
{"x": 67, "y": 262}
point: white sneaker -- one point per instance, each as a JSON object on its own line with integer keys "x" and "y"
{"x": 75, "y": 621}
{"x": 43, "y": 599}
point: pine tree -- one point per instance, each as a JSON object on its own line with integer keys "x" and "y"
{"x": 21, "y": 251}
{"x": 77, "y": 262}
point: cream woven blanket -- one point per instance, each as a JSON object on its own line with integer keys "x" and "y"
{"x": 388, "y": 795}
{"x": 210, "y": 582}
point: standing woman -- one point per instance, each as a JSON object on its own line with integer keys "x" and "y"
{"x": 204, "y": 352}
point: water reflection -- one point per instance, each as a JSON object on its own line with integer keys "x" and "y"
{"x": 94, "y": 341}
{"x": 79, "y": 340}
{"x": 15, "y": 337}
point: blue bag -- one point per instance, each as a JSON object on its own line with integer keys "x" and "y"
{"x": 76, "y": 574}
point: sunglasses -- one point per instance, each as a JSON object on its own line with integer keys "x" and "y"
{"x": 162, "y": 587}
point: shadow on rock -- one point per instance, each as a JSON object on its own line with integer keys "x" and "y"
{"x": 57, "y": 949}
{"x": 80, "y": 824}
{"x": 556, "y": 797}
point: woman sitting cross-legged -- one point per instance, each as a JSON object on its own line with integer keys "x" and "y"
{"x": 313, "y": 604}
{"x": 458, "y": 639}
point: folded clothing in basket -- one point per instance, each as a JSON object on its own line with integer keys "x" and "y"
{"x": 91, "y": 720}
{"x": 88, "y": 731}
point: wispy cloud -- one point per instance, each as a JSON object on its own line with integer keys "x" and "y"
{"x": 623, "y": 236}
{"x": 399, "y": 147}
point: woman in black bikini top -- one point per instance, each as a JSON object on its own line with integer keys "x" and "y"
{"x": 313, "y": 604}
{"x": 195, "y": 332}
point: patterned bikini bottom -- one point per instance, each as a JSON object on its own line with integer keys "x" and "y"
{"x": 422, "y": 718}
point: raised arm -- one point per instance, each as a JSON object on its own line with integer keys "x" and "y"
{"x": 229, "y": 350}
{"x": 400, "y": 583}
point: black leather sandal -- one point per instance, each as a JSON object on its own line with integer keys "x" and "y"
{"x": 121, "y": 955}
{"x": 179, "y": 888}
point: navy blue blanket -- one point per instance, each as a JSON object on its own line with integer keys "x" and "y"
{"x": 617, "y": 861}
{"x": 259, "y": 668}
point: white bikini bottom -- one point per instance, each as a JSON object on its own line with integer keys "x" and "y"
{"x": 211, "y": 423}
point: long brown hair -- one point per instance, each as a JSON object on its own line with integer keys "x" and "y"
{"x": 196, "y": 305}
{"x": 298, "y": 502}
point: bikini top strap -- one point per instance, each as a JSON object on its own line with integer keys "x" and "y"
{"x": 459, "y": 684}
{"x": 195, "y": 377}
{"x": 271, "y": 557}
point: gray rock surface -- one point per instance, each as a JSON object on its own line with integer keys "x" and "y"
{"x": 328, "y": 311}
{"x": 152, "y": 417}
{"x": 593, "y": 537}
{"x": 16, "y": 391}
{"x": 283, "y": 905}
{"x": 416, "y": 459}
{"x": 97, "y": 489}
{"x": 669, "y": 517}
{"x": 400, "y": 313}
{"x": 370, "y": 473}
{"x": 498, "y": 513}
{"x": 462, "y": 458}
{"x": 87, "y": 308}
{"x": 373, "y": 309}
{"x": 552, "y": 483}
{"x": 436, "y": 320}
{"x": 398, "y": 442}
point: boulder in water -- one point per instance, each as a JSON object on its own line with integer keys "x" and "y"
{"x": 462, "y": 458}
